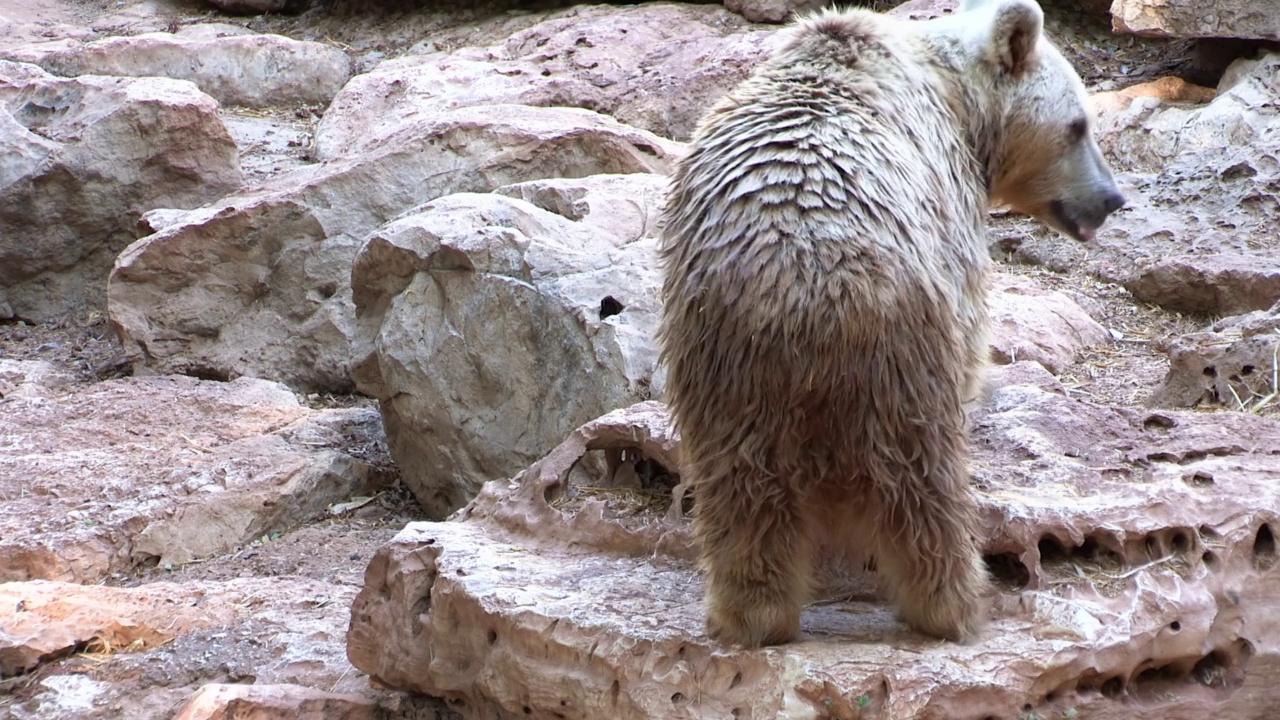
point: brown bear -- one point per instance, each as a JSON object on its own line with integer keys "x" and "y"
{"x": 824, "y": 310}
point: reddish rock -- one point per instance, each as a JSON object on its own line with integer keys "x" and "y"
{"x": 1217, "y": 284}
{"x": 656, "y": 66}
{"x": 1029, "y": 323}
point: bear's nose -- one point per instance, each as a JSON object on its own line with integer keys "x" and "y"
{"x": 1113, "y": 202}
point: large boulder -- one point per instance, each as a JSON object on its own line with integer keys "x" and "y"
{"x": 99, "y": 480}
{"x": 231, "y": 64}
{"x": 1134, "y": 554}
{"x": 1255, "y": 19}
{"x": 654, "y": 65}
{"x": 85, "y": 158}
{"x": 259, "y": 283}
{"x": 489, "y": 326}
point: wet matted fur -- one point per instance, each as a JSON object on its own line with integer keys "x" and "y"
{"x": 824, "y": 301}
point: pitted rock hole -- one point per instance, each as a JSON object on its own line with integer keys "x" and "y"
{"x": 610, "y": 306}
{"x": 1103, "y": 560}
{"x": 1264, "y": 548}
{"x": 628, "y": 482}
{"x": 1007, "y": 570}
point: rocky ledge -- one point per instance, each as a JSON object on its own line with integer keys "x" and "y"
{"x": 1134, "y": 551}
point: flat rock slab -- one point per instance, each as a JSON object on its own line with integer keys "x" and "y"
{"x": 1134, "y": 552}
{"x": 98, "y": 479}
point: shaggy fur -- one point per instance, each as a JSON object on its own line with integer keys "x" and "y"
{"x": 825, "y": 314}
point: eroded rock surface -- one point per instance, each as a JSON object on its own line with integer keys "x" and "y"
{"x": 229, "y": 63}
{"x": 259, "y": 283}
{"x": 656, "y": 66}
{"x": 489, "y": 326}
{"x": 1135, "y": 554}
{"x": 164, "y": 469}
{"x": 1233, "y": 364}
{"x": 85, "y": 158}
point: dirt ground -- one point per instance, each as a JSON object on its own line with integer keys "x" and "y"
{"x": 337, "y": 549}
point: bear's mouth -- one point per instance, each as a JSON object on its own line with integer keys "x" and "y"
{"x": 1069, "y": 225}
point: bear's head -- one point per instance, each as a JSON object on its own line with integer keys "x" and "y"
{"x": 1042, "y": 159}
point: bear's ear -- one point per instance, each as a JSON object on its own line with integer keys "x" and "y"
{"x": 1014, "y": 31}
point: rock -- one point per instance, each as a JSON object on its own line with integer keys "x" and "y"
{"x": 1201, "y": 180}
{"x": 168, "y": 469}
{"x": 489, "y": 326}
{"x": 1233, "y": 364}
{"x": 1029, "y": 323}
{"x": 148, "y": 652}
{"x": 44, "y": 619}
{"x": 284, "y": 702}
{"x": 924, "y": 9}
{"x": 85, "y": 157}
{"x": 1169, "y": 89}
{"x": 657, "y": 66}
{"x": 259, "y": 283}
{"x": 1134, "y": 553}
{"x": 232, "y": 65}
{"x": 771, "y": 11}
{"x": 1217, "y": 284}
{"x": 1191, "y": 19}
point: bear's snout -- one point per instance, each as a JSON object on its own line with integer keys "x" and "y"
{"x": 1113, "y": 202}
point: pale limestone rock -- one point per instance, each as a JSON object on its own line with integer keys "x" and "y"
{"x": 1254, "y": 19}
{"x": 232, "y": 66}
{"x": 772, "y": 11}
{"x": 1211, "y": 284}
{"x": 489, "y": 326}
{"x": 657, "y": 66}
{"x": 86, "y": 157}
{"x": 1030, "y": 323}
{"x": 259, "y": 283}
{"x": 1134, "y": 552}
{"x": 1233, "y": 364}
{"x": 275, "y": 702}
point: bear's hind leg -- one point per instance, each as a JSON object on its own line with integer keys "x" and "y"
{"x": 927, "y": 553}
{"x": 757, "y": 556}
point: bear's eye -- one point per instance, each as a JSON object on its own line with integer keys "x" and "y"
{"x": 1077, "y": 129}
